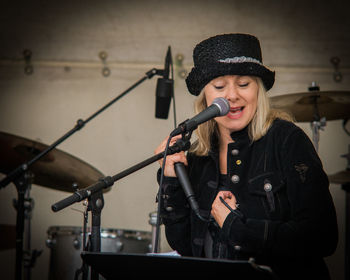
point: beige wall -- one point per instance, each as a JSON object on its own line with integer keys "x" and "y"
{"x": 298, "y": 39}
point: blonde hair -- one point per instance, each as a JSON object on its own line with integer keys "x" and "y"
{"x": 257, "y": 128}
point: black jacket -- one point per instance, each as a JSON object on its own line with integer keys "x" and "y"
{"x": 290, "y": 221}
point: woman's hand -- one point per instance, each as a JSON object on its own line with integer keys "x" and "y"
{"x": 169, "y": 170}
{"x": 218, "y": 210}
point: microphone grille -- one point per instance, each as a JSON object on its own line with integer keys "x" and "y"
{"x": 223, "y": 105}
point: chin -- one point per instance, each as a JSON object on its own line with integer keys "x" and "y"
{"x": 236, "y": 127}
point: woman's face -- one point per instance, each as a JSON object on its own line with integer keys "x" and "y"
{"x": 242, "y": 94}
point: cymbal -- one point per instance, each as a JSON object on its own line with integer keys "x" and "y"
{"x": 342, "y": 177}
{"x": 333, "y": 105}
{"x": 57, "y": 169}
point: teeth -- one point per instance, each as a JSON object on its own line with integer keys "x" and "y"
{"x": 236, "y": 109}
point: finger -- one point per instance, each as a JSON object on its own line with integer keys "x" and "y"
{"x": 174, "y": 139}
{"x": 178, "y": 157}
{"x": 232, "y": 202}
{"x": 163, "y": 144}
{"x": 225, "y": 194}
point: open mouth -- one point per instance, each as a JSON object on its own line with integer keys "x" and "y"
{"x": 235, "y": 112}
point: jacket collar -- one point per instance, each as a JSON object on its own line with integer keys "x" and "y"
{"x": 240, "y": 137}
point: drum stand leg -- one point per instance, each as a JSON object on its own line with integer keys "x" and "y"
{"x": 96, "y": 204}
{"x": 346, "y": 188}
{"x": 24, "y": 205}
{"x": 317, "y": 125}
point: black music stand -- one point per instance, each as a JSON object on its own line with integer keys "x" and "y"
{"x": 130, "y": 266}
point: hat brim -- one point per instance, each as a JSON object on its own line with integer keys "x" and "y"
{"x": 200, "y": 76}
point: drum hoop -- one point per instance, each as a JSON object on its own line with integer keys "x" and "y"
{"x": 64, "y": 230}
{"x": 105, "y": 232}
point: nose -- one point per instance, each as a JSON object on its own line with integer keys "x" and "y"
{"x": 232, "y": 93}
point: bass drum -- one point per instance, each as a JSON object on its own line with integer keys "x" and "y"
{"x": 66, "y": 245}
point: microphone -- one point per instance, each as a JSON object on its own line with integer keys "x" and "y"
{"x": 164, "y": 90}
{"x": 181, "y": 174}
{"x": 219, "y": 107}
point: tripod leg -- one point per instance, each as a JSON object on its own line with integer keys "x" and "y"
{"x": 19, "y": 234}
{"x": 22, "y": 185}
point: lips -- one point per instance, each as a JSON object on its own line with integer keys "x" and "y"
{"x": 235, "y": 112}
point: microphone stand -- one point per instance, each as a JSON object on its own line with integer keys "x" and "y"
{"x": 108, "y": 181}
{"x": 18, "y": 177}
{"x": 94, "y": 194}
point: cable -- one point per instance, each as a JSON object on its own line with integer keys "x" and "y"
{"x": 173, "y": 91}
{"x": 155, "y": 250}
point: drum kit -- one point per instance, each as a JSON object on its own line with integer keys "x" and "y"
{"x": 317, "y": 107}
{"x": 61, "y": 171}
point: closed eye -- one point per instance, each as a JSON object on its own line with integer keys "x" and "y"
{"x": 244, "y": 85}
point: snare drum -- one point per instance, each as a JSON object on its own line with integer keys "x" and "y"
{"x": 66, "y": 245}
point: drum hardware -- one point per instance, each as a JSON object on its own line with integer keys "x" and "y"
{"x": 22, "y": 184}
{"x": 333, "y": 105}
{"x": 37, "y": 160}
{"x": 343, "y": 178}
{"x": 317, "y": 124}
{"x": 153, "y": 222}
{"x": 52, "y": 170}
{"x": 29, "y": 255}
{"x": 56, "y": 170}
{"x": 95, "y": 190}
{"x": 80, "y": 123}
{"x": 315, "y": 107}
{"x": 15, "y": 174}
{"x": 65, "y": 258}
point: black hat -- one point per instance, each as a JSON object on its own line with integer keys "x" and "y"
{"x": 227, "y": 54}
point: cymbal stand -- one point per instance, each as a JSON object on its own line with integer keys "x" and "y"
{"x": 108, "y": 181}
{"x": 18, "y": 175}
{"x": 96, "y": 204}
{"x": 79, "y": 125}
{"x": 317, "y": 124}
{"x": 24, "y": 206}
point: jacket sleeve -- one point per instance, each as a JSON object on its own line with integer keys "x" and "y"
{"x": 311, "y": 229}
{"x": 175, "y": 215}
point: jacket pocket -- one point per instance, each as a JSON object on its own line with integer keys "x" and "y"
{"x": 267, "y": 185}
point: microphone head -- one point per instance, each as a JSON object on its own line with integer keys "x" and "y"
{"x": 222, "y": 104}
{"x": 164, "y": 93}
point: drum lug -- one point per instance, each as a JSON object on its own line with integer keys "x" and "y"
{"x": 50, "y": 243}
{"x": 119, "y": 246}
{"x": 76, "y": 243}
